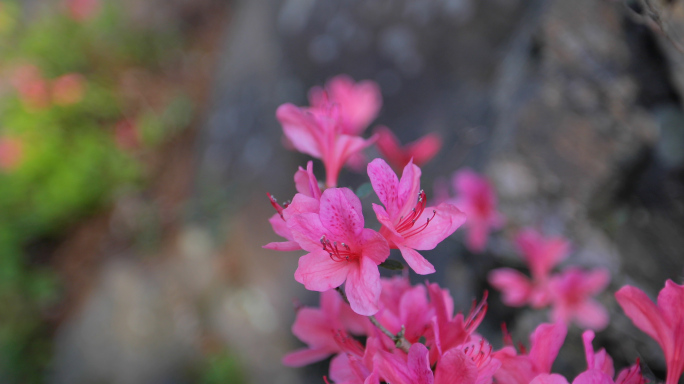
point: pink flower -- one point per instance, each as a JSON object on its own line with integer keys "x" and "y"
{"x": 11, "y": 153}
{"x": 406, "y": 222}
{"x": 341, "y": 249}
{"x": 664, "y": 322}
{"x": 356, "y": 365}
{"x": 403, "y": 305}
{"x": 307, "y": 200}
{"x": 32, "y": 87}
{"x": 317, "y": 327}
{"x": 81, "y": 10}
{"x": 476, "y": 197}
{"x": 542, "y": 254}
{"x": 571, "y": 294}
{"x": 450, "y": 332}
{"x": 318, "y": 133}
{"x": 600, "y": 367}
{"x": 421, "y": 150}
{"x": 68, "y": 89}
{"x": 358, "y": 103}
{"x": 545, "y": 342}
{"x": 414, "y": 368}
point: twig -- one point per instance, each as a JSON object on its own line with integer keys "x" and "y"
{"x": 398, "y": 339}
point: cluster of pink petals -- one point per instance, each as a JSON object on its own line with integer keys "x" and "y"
{"x": 569, "y": 292}
{"x": 476, "y": 197}
{"x": 407, "y": 223}
{"x": 426, "y": 315}
{"x": 663, "y": 321}
{"x": 419, "y": 152}
{"x": 38, "y": 93}
{"x": 330, "y": 128}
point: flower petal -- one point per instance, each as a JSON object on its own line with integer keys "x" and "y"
{"x": 447, "y": 218}
{"x": 340, "y": 214}
{"x": 644, "y": 313}
{"x": 553, "y": 378}
{"x": 300, "y": 127}
{"x": 320, "y": 273}
{"x": 455, "y": 368}
{"x": 306, "y": 356}
{"x": 385, "y": 184}
{"x": 514, "y": 286}
{"x": 545, "y": 343}
{"x": 363, "y": 287}
{"x": 373, "y": 246}
{"x": 416, "y": 261}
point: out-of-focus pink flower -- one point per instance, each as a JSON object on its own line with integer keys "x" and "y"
{"x": 571, "y": 294}
{"x": 126, "y": 135}
{"x": 406, "y": 222}
{"x": 341, "y": 249}
{"x": 476, "y": 197}
{"x": 317, "y": 327}
{"x": 68, "y": 89}
{"x": 317, "y": 133}
{"x": 32, "y": 87}
{"x": 600, "y": 367}
{"x": 11, "y": 153}
{"x": 664, "y": 322}
{"x": 82, "y": 10}
{"x": 545, "y": 342}
{"x": 306, "y": 200}
{"x": 541, "y": 254}
{"x": 358, "y": 103}
{"x": 421, "y": 150}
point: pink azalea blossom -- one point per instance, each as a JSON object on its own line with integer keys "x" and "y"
{"x": 476, "y": 197}
{"x": 11, "y": 153}
{"x": 403, "y": 305}
{"x": 306, "y": 200}
{"x": 68, "y": 89}
{"x": 450, "y": 332}
{"x": 571, "y": 294}
{"x": 541, "y": 254}
{"x": 407, "y": 223}
{"x": 413, "y": 368}
{"x": 318, "y": 327}
{"x": 545, "y": 342}
{"x": 663, "y": 321}
{"x": 318, "y": 133}
{"x": 341, "y": 249}
{"x": 355, "y": 365}
{"x": 600, "y": 367}
{"x": 358, "y": 103}
{"x": 420, "y": 151}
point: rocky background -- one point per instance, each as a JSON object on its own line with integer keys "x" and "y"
{"x": 572, "y": 108}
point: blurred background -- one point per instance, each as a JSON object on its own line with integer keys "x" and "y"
{"x": 138, "y": 140}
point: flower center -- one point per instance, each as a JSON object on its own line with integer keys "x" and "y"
{"x": 338, "y": 252}
{"x": 405, "y": 225}
{"x": 480, "y": 354}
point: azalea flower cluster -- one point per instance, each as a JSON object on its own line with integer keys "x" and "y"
{"x": 568, "y": 292}
{"x": 386, "y": 330}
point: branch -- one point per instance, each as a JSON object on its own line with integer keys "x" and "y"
{"x": 398, "y": 339}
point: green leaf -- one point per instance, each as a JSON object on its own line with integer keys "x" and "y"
{"x": 392, "y": 265}
{"x": 364, "y": 190}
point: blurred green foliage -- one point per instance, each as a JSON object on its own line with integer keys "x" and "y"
{"x": 62, "y": 160}
{"x": 222, "y": 368}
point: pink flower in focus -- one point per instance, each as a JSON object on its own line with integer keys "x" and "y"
{"x": 68, "y": 89}
{"x": 571, "y": 294}
{"x": 406, "y": 222}
{"x": 318, "y": 134}
{"x": 317, "y": 328}
{"x": 11, "y": 153}
{"x": 32, "y": 87}
{"x": 421, "y": 150}
{"x": 341, "y": 249}
{"x": 663, "y": 321}
{"x": 545, "y": 342}
{"x": 358, "y": 103}
{"x": 450, "y": 332}
{"x": 476, "y": 197}
{"x": 413, "y": 368}
{"x": 82, "y": 10}
{"x": 404, "y": 305}
{"x": 307, "y": 200}
{"x": 355, "y": 365}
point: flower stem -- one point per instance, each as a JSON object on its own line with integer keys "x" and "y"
{"x": 399, "y": 339}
